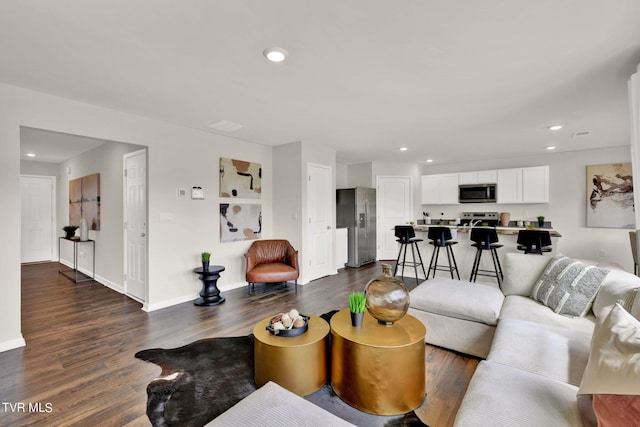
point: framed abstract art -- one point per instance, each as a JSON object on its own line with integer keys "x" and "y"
{"x": 610, "y": 196}
{"x": 241, "y": 179}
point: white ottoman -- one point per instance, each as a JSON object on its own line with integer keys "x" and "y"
{"x": 458, "y": 315}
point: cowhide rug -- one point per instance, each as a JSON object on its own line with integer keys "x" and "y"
{"x": 201, "y": 380}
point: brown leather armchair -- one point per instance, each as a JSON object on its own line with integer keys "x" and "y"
{"x": 271, "y": 261}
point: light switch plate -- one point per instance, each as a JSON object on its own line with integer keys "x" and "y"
{"x": 181, "y": 192}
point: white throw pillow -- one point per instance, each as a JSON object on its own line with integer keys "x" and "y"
{"x": 614, "y": 286}
{"x": 614, "y": 361}
{"x": 521, "y": 272}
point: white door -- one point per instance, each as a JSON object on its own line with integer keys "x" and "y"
{"x": 320, "y": 197}
{"x": 37, "y": 194}
{"x": 394, "y": 204}
{"x": 135, "y": 224}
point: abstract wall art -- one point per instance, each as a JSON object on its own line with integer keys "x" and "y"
{"x": 239, "y": 178}
{"x": 240, "y": 222}
{"x": 610, "y": 196}
{"x": 84, "y": 200}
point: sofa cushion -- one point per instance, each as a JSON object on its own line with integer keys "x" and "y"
{"x": 463, "y": 336}
{"x": 635, "y": 307}
{"x": 524, "y": 308}
{"x": 628, "y": 299}
{"x": 458, "y": 299}
{"x": 614, "y": 286}
{"x": 614, "y": 361}
{"x": 499, "y": 395}
{"x": 273, "y": 405}
{"x": 568, "y": 286}
{"x": 550, "y": 351}
{"x": 521, "y": 272}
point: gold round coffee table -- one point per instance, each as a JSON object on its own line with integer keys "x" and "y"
{"x": 298, "y": 364}
{"x": 376, "y": 368}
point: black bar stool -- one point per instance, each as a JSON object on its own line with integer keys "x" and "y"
{"x": 534, "y": 241}
{"x": 441, "y": 238}
{"x": 486, "y": 239}
{"x": 407, "y": 237}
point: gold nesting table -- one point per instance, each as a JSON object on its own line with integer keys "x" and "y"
{"x": 376, "y": 368}
{"x": 299, "y": 363}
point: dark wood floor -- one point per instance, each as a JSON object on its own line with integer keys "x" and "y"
{"x": 78, "y": 366}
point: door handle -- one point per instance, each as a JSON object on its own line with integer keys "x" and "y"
{"x": 142, "y": 235}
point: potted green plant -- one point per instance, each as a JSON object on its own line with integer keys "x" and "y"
{"x": 357, "y": 305}
{"x": 70, "y": 230}
{"x": 206, "y": 257}
{"x": 540, "y": 221}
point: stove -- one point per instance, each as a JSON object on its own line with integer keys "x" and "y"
{"x": 491, "y": 218}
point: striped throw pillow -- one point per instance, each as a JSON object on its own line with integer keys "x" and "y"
{"x": 568, "y": 287}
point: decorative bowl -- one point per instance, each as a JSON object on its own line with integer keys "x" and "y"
{"x": 293, "y": 332}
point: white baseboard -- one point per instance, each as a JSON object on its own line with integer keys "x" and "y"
{"x": 11, "y": 344}
{"x": 169, "y": 302}
{"x": 103, "y": 281}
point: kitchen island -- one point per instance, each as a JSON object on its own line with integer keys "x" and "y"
{"x": 465, "y": 253}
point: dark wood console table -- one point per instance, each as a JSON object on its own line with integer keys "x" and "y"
{"x": 210, "y": 294}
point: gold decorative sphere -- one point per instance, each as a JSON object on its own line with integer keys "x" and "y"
{"x": 387, "y": 297}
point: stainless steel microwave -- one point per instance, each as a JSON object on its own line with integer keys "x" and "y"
{"x": 477, "y": 193}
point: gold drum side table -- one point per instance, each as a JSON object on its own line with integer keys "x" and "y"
{"x": 299, "y": 363}
{"x": 376, "y": 368}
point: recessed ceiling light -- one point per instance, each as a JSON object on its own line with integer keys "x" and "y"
{"x": 275, "y": 54}
{"x": 551, "y": 147}
{"x": 31, "y": 155}
{"x": 429, "y": 160}
{"x": 403, "y": 148}
{"x": 554, "y": 127}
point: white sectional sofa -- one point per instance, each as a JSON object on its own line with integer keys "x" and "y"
{"x": 535, "y": 358}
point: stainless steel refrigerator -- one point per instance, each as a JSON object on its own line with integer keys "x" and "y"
{"x": 356, "y": 210}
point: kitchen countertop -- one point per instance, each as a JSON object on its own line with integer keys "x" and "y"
{"x": 499, "y": 229}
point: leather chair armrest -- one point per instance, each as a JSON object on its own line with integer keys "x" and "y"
{"x": 251, "y": 260}
{"x": 292, "y": 257}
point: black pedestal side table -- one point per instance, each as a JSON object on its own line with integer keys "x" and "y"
{"x": 210, "y": 294}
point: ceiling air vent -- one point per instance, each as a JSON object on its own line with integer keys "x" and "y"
{"x": 577, "y": 135}
{"x": 225, "y": 126}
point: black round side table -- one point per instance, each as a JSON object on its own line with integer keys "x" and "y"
{"x": 210, "y": 294}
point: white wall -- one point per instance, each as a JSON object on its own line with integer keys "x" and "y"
{"x": 361, "y": 175}
{"x": 342, "y": 171}
{"x": 28, "y": 167}
{"x": 287, "y": 202}
{"x": 568, "y": 201}
{"x": 178, "y": 157}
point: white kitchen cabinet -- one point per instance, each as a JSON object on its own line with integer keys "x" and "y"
{"x": 535, "y": 184}
{"x": 478, "y": 177}
{"x": 517, "y": 185}
{"x": 429, "y": 190}
{"x": 448, "y": 189}
{"x": 524, "y": 185}
{"x": 509, "y": 186}
{"x": 439, "y": 189}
